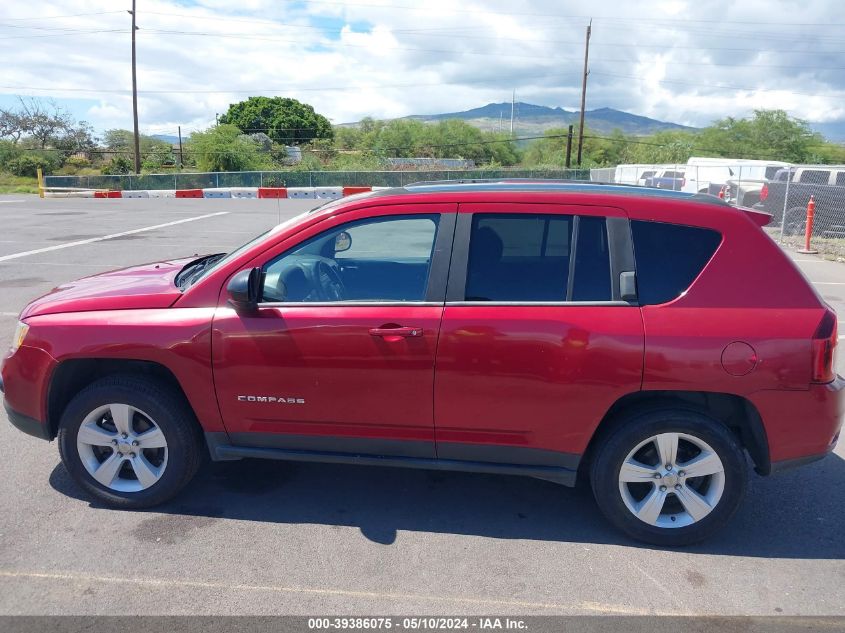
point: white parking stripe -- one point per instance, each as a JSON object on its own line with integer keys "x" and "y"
{"x": 829, "y": 283}
{"x": 107, "y": 237}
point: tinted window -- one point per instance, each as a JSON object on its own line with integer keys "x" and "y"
{"x": 592, "y": 262}
{"x": 669, "y": 257}
{"x": 771, "y": 171}
{"x": 519, "y": 257}
{"x": 840, "y": 178}
{"x": 815, "y": 176}
{"x": 380, "y": 259}
{"x": 673, "y": 174}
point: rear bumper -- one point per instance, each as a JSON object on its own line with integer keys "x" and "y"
{"x": 801, "y": 426}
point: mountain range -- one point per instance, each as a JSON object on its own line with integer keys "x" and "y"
{"x": 532, "y": 119}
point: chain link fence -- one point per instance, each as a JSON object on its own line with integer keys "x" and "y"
{"x": 781, "y": 190}
{"x": 210, "y": 180}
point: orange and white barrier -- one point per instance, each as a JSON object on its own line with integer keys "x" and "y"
{"x": 313, "y": 193}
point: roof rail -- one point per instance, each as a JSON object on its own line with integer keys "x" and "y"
{"x": 471, "y": 181}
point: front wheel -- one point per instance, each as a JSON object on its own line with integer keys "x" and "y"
{"x": 129, "y": 441}
{"x": 669, "y": 477}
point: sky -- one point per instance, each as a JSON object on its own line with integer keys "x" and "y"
{"x": 688, "y": 62}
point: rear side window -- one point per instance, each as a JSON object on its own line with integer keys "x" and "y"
{"x": 669, "y": 257}
{"x": 532, "y": 258}
{"x": 840, "y": 178}
{"x": 592, "y": 262}
{"x": 522, "y": 257}
{"x": 815, "y": 176}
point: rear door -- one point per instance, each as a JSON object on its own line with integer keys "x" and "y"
{"x": 536, "y": 341}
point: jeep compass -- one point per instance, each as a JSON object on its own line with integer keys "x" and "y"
{"x": 653, "y": 343}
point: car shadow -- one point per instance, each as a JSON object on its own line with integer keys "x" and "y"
{"x": 796, "y": 514}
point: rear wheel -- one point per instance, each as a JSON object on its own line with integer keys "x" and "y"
{"x": 669, "y": 477}
{"x": 129, "y": 441}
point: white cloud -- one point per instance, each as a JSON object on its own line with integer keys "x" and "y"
{"x": 683, "y": 61}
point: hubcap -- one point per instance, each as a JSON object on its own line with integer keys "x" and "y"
{"x": 122, "y": 448}
{"x": 672, "y": 480}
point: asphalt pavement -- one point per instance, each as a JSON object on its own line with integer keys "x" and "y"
{"x": 257, "y": 537}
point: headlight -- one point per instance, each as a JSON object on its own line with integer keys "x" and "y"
{"x": 20, "y": 335}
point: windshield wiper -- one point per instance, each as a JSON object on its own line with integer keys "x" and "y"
{"x": 193, "y": 270}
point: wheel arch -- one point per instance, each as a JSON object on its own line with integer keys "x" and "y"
{"x": 735, "y": 412}
{"x": 73, "y": 375}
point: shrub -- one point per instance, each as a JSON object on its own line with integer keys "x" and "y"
{"x": 28, "y": 163}
{"x": 119, "y": 165}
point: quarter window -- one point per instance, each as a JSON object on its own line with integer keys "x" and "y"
{"x": 669, "y": 258}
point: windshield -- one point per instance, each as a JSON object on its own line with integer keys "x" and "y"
{"x": 189, "y": 278}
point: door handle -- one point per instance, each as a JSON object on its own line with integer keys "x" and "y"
{"x": 391, "y": 332}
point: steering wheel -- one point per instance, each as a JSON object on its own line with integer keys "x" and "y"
{"x": 329, "y": 280}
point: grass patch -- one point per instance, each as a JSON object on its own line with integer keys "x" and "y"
{"x": 17, "y": 184}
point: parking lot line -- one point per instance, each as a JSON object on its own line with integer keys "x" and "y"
{"x": 596, "y": 607}
{"x": 57, "y": 247}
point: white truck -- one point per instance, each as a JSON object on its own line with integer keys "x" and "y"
{"x": 745, "y": 177}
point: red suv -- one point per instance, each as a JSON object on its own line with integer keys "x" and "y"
{"x": 645, "y": 340}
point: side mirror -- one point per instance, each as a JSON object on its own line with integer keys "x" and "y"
{"x": 243, "y": 290}
{"x": 343, "y": 242}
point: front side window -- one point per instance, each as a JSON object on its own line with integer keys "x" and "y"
{"x": 529, "y": 257}
{"x": 378, "y": 259}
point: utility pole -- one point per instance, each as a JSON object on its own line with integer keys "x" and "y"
{"x": 135, "y": 97}
{"x": 569, "y": 136}
{"x": 584, "y": 91}
{"x": 181, "y": 155}
{"x": 513, "y": 106}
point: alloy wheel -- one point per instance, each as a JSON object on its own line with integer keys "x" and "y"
{"x": 122, "y": 448}
{"x": 672, "y": 480}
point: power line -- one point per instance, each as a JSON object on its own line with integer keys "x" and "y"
{"x": 56, "y": 17}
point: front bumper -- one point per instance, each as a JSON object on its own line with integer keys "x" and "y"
{"x": 24, "y": 423}
{"x": 24, "y": 380}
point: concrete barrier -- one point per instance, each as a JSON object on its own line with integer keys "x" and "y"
{"x": 272, "y": 192}
{"x": 189, "y": 193}
{"x": 301, "y": 192}
{"x": 244, "y": 192}
{"x": 217, "y": 192}
{"x": 135, "y": 194}
{"x": 162, "y": 193}
{"x": 328, "y": 193}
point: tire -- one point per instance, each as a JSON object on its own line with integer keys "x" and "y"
{"x": 634, "y": 439}
{"x": 796, "y": 221}
{"x": 166, "y": 453}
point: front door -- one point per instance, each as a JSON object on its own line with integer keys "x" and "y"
{"x": 536, "y": 342}
{"x": 340, "y": 355}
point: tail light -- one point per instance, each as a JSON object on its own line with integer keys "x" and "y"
{"x": 824, "y": 349}
{"x": 764, "y": 193}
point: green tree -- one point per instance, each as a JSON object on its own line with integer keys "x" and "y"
{"x": 225, "y": 148}
{"x": 768, "y": 134}
{"x": 286, "y": 121}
